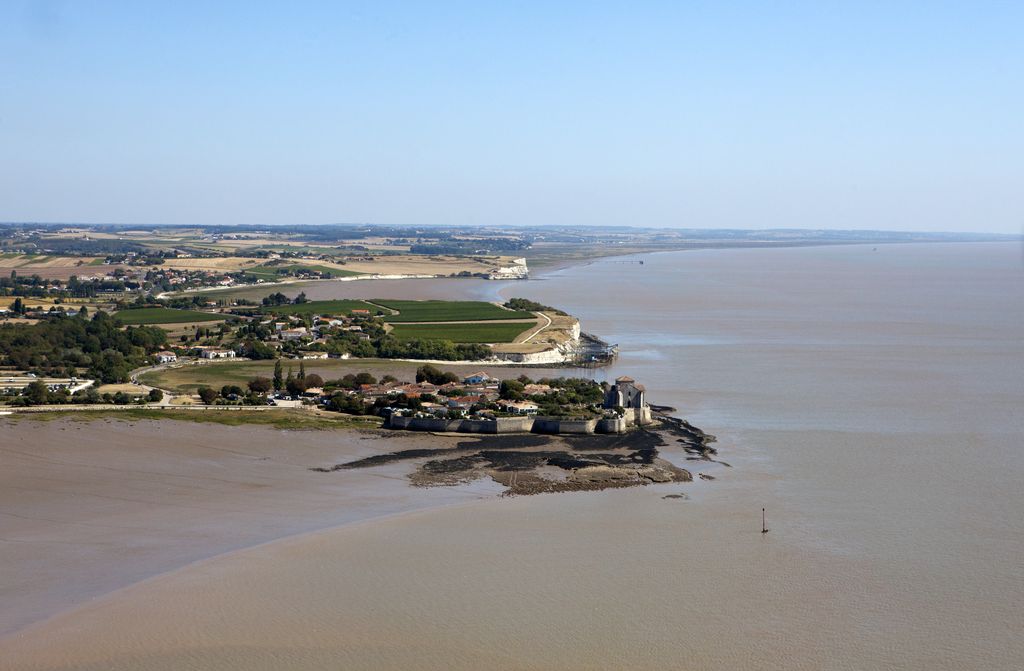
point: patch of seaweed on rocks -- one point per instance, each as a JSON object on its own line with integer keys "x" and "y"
{"x": 533, "y": 464}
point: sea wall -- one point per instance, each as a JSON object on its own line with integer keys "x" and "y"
{"x": 556, "y": 425}
{"x": 499, "y": 425}
{"x": 639, "y": 416}
{"x": 617, "y": 425}
{"x": 549, "y": 425}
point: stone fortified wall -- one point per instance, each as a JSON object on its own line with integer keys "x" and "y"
{"x": 550, "y": 425}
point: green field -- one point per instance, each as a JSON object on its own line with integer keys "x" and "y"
{"x": 461, "y": 333}
{"x": 165, "y": 316}
{"x": 186, "y": 379}
{"x": 338, "y": 307}
{"x": 271, "y": 273}
{"x": 447, "y": 311}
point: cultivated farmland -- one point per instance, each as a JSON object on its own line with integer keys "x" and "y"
{"x": 492, "y": 332}
{"x": 140, "y": 316}
{"x": 338, "y": 307}
{"x": 447, "y": 311}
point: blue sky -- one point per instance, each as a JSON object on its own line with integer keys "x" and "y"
{"x": 891, "y": 115}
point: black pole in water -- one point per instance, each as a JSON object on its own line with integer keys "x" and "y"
{"x": 764, "y": 526}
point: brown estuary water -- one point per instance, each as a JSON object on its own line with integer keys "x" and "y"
{"x": 871, "y": 400}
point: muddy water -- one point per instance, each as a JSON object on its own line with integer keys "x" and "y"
{"x": 869, "y": 399}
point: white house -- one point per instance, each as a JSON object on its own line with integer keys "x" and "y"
{"x": 477, "y": 378}
{"x": 294, "y": 334}
{"x": 308, "y": 354}
{"x": 520, "y": 407}
{"x": 218, "y": 354}
{"x": 166, "y": 357}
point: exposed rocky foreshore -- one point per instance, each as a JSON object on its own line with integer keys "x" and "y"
{"x": 534, "y": 464}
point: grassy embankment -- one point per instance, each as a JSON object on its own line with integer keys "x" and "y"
{"x": 298, "y": 419}
{"x": 140, "y": 316}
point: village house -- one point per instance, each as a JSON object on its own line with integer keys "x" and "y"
{"x": 166, "y": 357}
{"x": 307, "y": 354}
{"x": 294, "y": 334}
{"x": 477, "y": 378}
{"x": 464, "y": 402}
{"x": 519, "y": 407}
{"x": 217, "y": 354}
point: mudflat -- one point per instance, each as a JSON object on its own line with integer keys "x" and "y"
{"x": 88, "y": 507}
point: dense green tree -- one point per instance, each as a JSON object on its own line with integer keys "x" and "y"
{"x": 278, "y": 376}
{"x": 295, "y": 386}
{"x": 352, "y": 405}
{"x": 255, "y": 349}
{"x": 207, "y": 394}
{"x": 511, "y": 390}
{"x": 260, "y": 385}
{"x": 434, "y": 375}
{"x": 365, "y": 378}
{"x": 36, "y": 393}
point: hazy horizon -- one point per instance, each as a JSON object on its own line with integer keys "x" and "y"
{"x": 595, "y": 227}
{"x": 746, "y": 117}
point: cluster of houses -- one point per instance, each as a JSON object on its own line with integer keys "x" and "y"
{"x": 624, "y": 408}
{"x": 289, "y": 329}
{"x": 201, "y": 351}
{"x": 284, "y": 329}
{"x": 454, "y": 397}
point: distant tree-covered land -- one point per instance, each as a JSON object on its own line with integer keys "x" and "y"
{"x": 523, "y": 304}
{"x": 60, "y": 345}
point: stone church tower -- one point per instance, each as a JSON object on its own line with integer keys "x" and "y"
{"x": 627, "y": 394}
